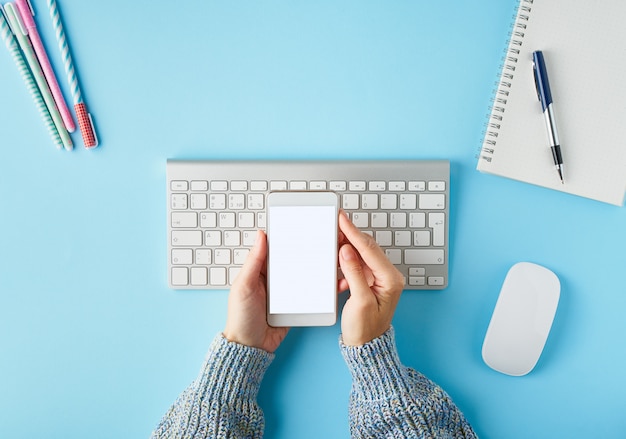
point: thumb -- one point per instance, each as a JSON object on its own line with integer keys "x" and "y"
{"x": 255, "y": 260}
{"x": 352, "y": 269}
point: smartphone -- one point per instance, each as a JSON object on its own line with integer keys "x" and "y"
{"x": 302, "y": 258}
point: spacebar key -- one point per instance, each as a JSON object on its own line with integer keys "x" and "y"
{"x": 423, "y": 257}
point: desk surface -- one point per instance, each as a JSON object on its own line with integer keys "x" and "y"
{"x": 92, "y": 341}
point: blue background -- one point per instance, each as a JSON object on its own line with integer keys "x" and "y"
{"x": 92, "y": 341}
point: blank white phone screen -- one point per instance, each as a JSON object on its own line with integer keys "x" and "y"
{"x": 303, "y": 269}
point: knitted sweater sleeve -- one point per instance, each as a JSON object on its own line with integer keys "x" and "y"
{"x": 389, "y": 400}
{"x": 221, "y": 402}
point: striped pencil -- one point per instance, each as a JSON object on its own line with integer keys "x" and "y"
{"x": 9, "y": 40}
{"x": 85, "y": 122}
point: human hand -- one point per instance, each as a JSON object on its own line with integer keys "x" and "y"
{"x": 375, "y": 286}
{"x": 246, "y": 322}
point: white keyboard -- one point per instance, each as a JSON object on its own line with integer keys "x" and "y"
{"x": 215, "y": 207}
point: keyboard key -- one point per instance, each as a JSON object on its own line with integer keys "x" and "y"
{"x": 278, "y": 185}
{"x": 297, "y": 185}
{"x": 397, "y": 186}
{"x": 402, "y": 238}
{"x": 226, "y": 220}
{"x": 236, "y": 201}
{"x": 360, "y": 219}
{"x": 394, "y": 255}
{"x": 417, "y": 281}
{"x": 383, "y": 238}
{"x": 213, "y": 238}
{"x": 217, "y": 276}
{"x": 217, "y": 201}
{"x": 318, "y": 185}
{"x": 249, "y": 236}
{"x": 219, "y": 185}
{"x": 184, "y": 220}
{"x": 199, "y": 185}
{"x": 436, "y": 186}
{"x": 186, "y": 238}
{"x": 421, "y": 238}
{"x": 423, "y": 257}
{"x": 436, "y": 221}
{"x": 232, "y": 238}
{"x": 417, "y": 186}
{"x": 357, "y": 186}
{"x": 240, "y": 255}
{"x": 221, "y": 256}
{"x": 435, "y": 280}
{"x": 198, "y": 201}
{"x": 245, "y": 220}
{"x": 182, "y": 256}
{"x": 398, "y": 220}
{"x": 256, "y": 201}
{"x": 203, "y": 256}
{"x": 338, "y": 186}
{"x": 208, "y": 220}
{"x": 350, "y": 201}
{"x": 178, "y": 201}
{"x": 238, "y": 185}
{"x": 379, "y": 220}
{"x": 377, "y": 186}
{"x": 261, "y": 220}
{"x": 417, "y": 220}
{"x": 432, "y": 201}
{"x": 199, "y": 276}
{"x": 180, "y": 276}
{"x": 369, "y": 201}
{"x": 408, "y": 201}
{"x": 179, "y": 185}
{"x": 388, "y": 201}
{"x": 258, "y": 185}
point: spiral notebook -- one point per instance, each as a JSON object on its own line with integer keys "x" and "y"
{"x": 582, "y": 42}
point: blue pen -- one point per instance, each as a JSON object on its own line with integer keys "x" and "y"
{"x": 545, "y": 97}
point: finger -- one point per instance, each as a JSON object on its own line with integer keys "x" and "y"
{"x": 367, "y": 248}
{"x": 353, "y": 271}
{"x": 254, "y": 264}
{"x": 343, "y": 286}
{"x": 340, "y": 237}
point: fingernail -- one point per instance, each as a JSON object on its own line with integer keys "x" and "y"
{"x": 347, "y": 252}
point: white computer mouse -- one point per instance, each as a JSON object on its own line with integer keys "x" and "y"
{"x": 522, "y": 319}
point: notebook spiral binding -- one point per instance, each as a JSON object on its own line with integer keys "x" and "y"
{"x": 505, "y": 77}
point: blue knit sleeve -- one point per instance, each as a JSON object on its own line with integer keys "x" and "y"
{"x": 391, "y": 400}
{"x": 222, "y": 401}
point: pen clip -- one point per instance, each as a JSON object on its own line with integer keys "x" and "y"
{"x": 93, "y": 132}
{"x": 30, "y": 6}
{"x": 536, "y": 81}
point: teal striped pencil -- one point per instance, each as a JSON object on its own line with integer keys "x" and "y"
{"x": 31, "y": 85}
{"x": 85, "y": 122}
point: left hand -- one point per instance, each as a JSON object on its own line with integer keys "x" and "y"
{"x": 246, "y": 322}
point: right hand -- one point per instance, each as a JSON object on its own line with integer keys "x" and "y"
{"x": 375, "y": 286}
